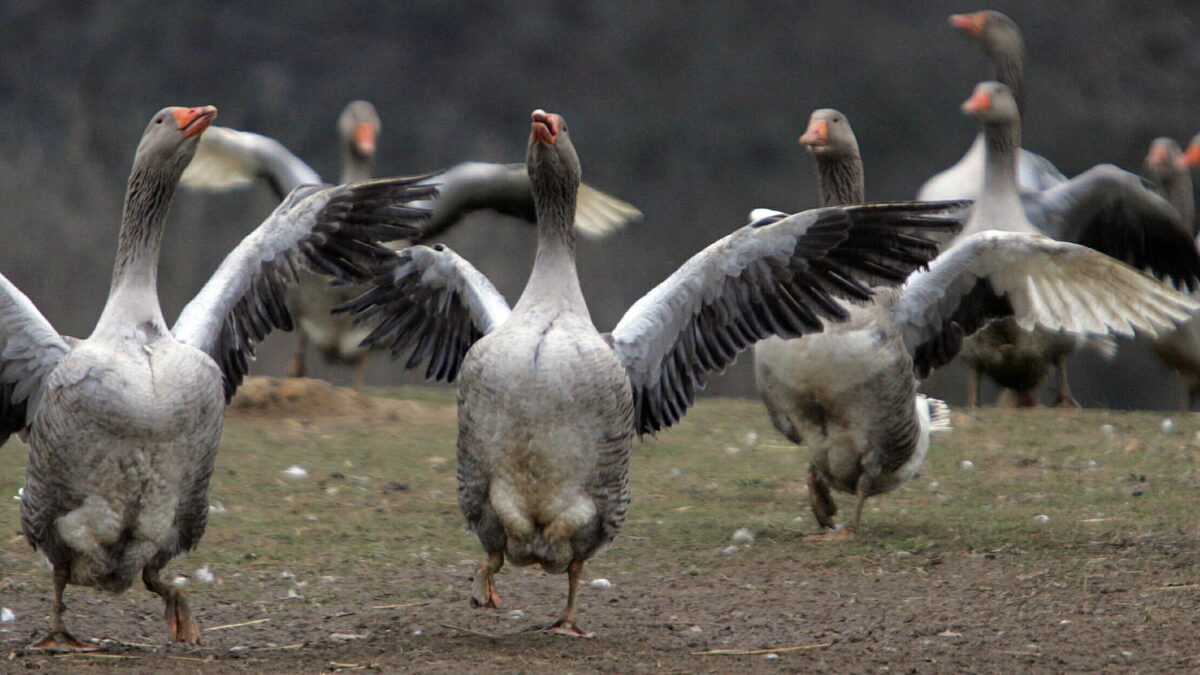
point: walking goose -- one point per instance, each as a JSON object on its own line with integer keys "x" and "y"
{"x": 1000, "y": 39}
{"x": 230, "y": 159}
{"x": 1104, "y": 208}
{"x": 548, "y": 406}
{"x": 123, "y": 426}
{"x": 849, "y": 393}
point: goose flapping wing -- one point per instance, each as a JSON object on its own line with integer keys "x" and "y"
{"x": 781, "y": 275}
{"x": 504, "y": 188}
{"x": 29, "y": 349}
{"x": 1042, "y": 283}
{"x": 434, "y": 301}
{"x": 1118, "y": 213}
{"x": 321, "y": 229}
{"x": 228, "y": 159}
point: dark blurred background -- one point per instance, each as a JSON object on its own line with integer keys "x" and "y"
{"x": 689, "y": 110}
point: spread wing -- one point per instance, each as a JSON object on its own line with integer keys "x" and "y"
{"x": 227, "y": 159}
{"x": 322, "y": 229}
{"x": 1043, "y": 283}
{"x": 1117, "y": 213}
{"x": 781, "y": 275}
{"x": 504, "y": 188}
{"x": 29, "y": 349}
{"x": 432, "y": 301}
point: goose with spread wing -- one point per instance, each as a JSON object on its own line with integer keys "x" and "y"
{"x": 548, "y": 407}
{"x": 1000, "y": 39}
{"x": 1104, "y": 208}
{"x": 229, "y": 159}
{"x": 849, "y": 393}
{"x": 123, "y": 426}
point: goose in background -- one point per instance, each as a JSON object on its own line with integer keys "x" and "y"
{"x": 1000, "y": 39}
{"x": 230, "y": 159}
{"x": 548, "y": 406}
{"x": 123, "y": 425}
{"x": 850, "y": 392}
{"x": 1104, "y": 208}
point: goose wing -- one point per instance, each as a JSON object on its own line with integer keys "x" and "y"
{"x": 321, "y": 229}
{"x": 1041, "y": 282}
{"x": 504, "y": 188}
{"x": 1117, "y": 213}
{"x": 781, "y": 275}
{"x": 433, "y": 301}
{"x": 29, "y": 349}
{"x": 227, "y": 159}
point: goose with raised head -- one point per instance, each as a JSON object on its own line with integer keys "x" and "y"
{"x": 548, "y": 407}
{"x": 123, "y": 426}
{"x": 1000, "y": 40}
{"x": 850, "y": 393}
{"x": 1104, "y": 208}
{"x": 229, "y": 159}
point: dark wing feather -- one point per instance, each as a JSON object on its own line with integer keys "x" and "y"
{"x": 326, "y": 230}
{"x": 778, "y": 276}
{"x": 430, "y": 301}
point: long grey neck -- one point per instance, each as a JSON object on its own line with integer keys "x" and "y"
{"x": 356, "y": 167}
{"x": 554, "y": 277}
{"x": 133, "y": 295}
{"x": 1176, "y": 186}
{"x": 840, "y": 179}
{"x": 1008, "y": 67}
{"x": 999, "y": 204}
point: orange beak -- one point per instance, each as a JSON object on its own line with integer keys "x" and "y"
{"x": 971, "y": 24}
{"x": 979, "y": 102}
{"x": 545, "y": 127}
{"x": 1191, "y": 158}
{"x": 817, "y": 134}
{"x": 364, "y": 138}
{"x": 192, "y": 121}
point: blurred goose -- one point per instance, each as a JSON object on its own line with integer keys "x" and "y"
{"x": 1104, "y": 208}
{"x": 230, "y": 159}
{"x": 548, "y": 406}
{"x": 1000, "y": 39}
{"x": 849, "y": 393}
{"x": 123, "y": 426}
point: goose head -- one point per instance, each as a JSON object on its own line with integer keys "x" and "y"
{"x": 553, "y": 166}
{"x": 992, "y": 103}
{"x": 171, "y": 137}
{"x": 994, "y": 32}
{"x": 359, "y": 126}
{"x": 1164, "y": 158}
{"x": 829, "y": 134}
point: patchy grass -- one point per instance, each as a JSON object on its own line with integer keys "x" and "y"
{"x": 372, "y": 545}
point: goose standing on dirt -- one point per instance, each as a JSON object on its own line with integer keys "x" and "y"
{"x": 1000, "y": 39}
{"x": 849, "y": 393}
{"x": 230, "y": 159}
{"x": 548, "y": 407}
{"x": 123, "y": 426}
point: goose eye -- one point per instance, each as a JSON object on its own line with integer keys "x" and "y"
{"x": 158, "y": 120}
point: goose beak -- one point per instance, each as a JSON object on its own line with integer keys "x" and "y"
{"x": 544, "y": 128}
{"x": 817, "y": 134}
{"x": 971, "y": 24}
{"x": 979, "y": 102}
{"x": 364, "y": 138}
{"x": 1191, "y": 158}
{"x": 193, "y": 121}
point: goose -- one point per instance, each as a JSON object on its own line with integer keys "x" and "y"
{"x": 850, "y": 393}
{"x": 1000, "y": 39}
{"x": 229, "y": 159}
{"x": 1104, "y": 208}
{"x": 123, "y": 425}
{"x": 548, "y": 406}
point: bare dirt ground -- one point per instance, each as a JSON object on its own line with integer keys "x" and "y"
{"x": 1071, "y": 543}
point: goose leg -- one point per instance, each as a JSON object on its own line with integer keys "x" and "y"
{"x": 821, "y": 501}
{"x": 1192, "y": 402}
{"x": 566, "y": 624}
{"x": 862, "y": 490}
{"x": 483, "y": 590}
{"x": 180, "y": 623}
{"x": 360, "y": 374}
{"x": 296, "y": 366}
{"x": 973, "y": 381}
{"x": 59, "y": 639}
{"x": 1065, "y": 399}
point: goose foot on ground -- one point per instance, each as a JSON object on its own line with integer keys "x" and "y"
{"x": 841, "y": 534}
{"x": 483, "y": 590}
{"x": 180, "y": 624}
{"x": 569, "y": 629}
{"x": 62, "y": 641}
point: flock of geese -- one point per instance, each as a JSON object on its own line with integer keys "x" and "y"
{"x": 847, "y": 307}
